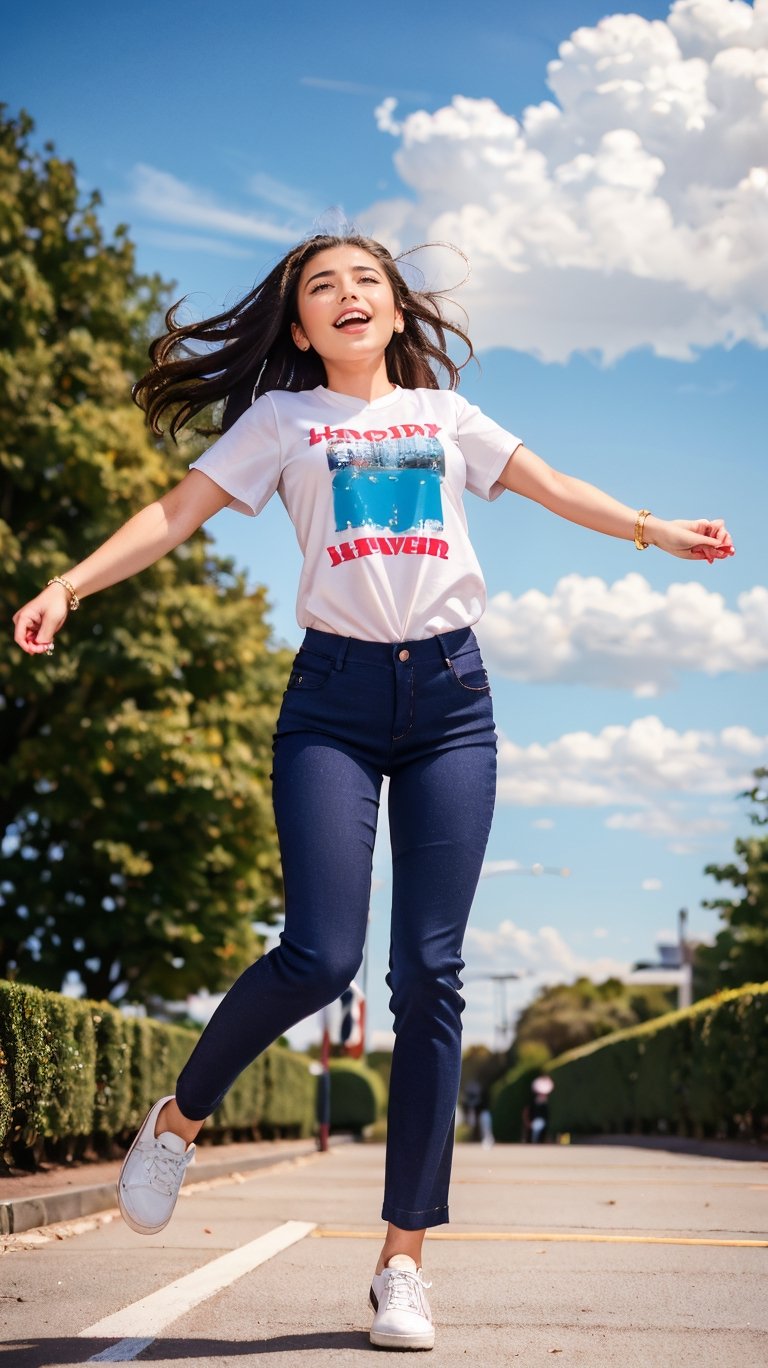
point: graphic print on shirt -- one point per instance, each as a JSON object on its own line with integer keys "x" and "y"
{"x": 386, "y": 480}
{"x": 387, "y": 484}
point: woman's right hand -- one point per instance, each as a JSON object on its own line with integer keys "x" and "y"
{"x": 37, "y": 623}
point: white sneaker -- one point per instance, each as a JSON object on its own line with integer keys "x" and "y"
{"x": 152, "y": 1173}
{"x": 403, "y": 1319}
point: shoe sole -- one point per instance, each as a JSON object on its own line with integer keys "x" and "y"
{"x": 383, "y": 1341}
{"x": 129, "y": 1220}
{"x": 139, "y": 1229}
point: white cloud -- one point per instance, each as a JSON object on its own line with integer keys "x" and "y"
{"x": 543, "y": 953}
{"x": 665, "y": 821}
{"x": 359, "y": 88}
{"x": 666, "y": 936}
{"x": 628, "y": 766}
{"x": 632, "y": 212}
{"x": 283, "y": 196}
{"x": 167, "y": 199}
{"x": 623, "y": 635}
{"x": 651, "y": 885}
{"x": 543, "y": 823}
{"x": 195, "y": 242}
{"x": 492, "y": 867}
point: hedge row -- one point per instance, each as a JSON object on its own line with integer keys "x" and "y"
{"x": 358, "y": 1095}
{"x": 699, "y": 1072}
{"x": 72, "y": 1069}
{"x": 509, "y": 1098}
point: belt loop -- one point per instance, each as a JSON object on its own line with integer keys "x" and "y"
{"x": 341, "y": 654}
{"x": 444, "y": 649}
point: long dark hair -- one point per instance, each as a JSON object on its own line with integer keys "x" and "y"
{"x": 242, "y": 353}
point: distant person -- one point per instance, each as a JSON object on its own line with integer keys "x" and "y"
{"x": 328, "y": 375}
{"x": 538, "y": 1109}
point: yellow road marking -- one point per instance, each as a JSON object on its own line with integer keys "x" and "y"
{"x": 538, "y": 1236}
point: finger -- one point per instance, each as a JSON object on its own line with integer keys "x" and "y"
{"x": 706, "y": 541}
{"x": 25, "y": 630}
{"x": 33, "y": 634}
{"x": 709, "y": 554}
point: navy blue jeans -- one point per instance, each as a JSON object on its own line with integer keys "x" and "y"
{"x": 421, "y": 713}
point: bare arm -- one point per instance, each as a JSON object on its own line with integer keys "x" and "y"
{"x": 145, "y": 538}
{"x": 527, "y": 474}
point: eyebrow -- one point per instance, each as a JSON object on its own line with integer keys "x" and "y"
{"x": 320, "y": 274}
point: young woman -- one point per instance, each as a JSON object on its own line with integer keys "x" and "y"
{"x": 328, "y": 374}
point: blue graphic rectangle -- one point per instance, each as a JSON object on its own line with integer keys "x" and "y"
{"x": 392, "y": 485}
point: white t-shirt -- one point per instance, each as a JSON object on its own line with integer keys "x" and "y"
{"x": 374, "y": 491}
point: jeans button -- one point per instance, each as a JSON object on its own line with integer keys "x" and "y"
{"x": 403, "y": 655}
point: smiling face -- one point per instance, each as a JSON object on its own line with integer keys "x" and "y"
{"x": 346, "y": 308}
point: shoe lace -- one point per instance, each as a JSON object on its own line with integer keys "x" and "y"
{"x": 404, "y": 1290}
{"x": 164, "y": 1168}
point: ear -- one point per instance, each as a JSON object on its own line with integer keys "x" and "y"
{"x": 399, "y": 321}
{"x": 300, "y": 337}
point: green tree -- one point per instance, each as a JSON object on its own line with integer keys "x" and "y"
{"x": 138, "y": 843}
{"x": 740, "y": 951}
{"x": 571, "y": 1014}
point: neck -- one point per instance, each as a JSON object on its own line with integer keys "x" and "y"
{"x": 363, "y": 381}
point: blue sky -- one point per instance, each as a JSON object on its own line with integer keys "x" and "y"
{"x": 618, "y": 301}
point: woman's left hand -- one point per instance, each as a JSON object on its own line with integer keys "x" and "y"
{"x": 701, "y": 539}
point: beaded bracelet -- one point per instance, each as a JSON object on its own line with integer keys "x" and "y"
{"x": 74, "y": 602}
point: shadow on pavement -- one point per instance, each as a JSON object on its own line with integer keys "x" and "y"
{"x": 677, "y": 1144}
{"x": 40, "y": 1353}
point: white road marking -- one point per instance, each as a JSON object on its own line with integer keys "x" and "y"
{"x": 123, "y": 1352}
{"x": 142, "y": 1320}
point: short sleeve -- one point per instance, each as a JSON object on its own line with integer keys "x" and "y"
{"x": 246, "y": 460}
{"x": 485, "y": 446}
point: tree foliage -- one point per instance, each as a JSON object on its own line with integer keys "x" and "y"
{"x": 134, "y": 764}
{"x": 740, "y": 951}
{"x": 568, "y": 1015}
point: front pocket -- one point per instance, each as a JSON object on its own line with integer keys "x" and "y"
{"x": 470, "y": 673}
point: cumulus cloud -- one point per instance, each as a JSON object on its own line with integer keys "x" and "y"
{"x": 623, "y": 635}
{"x": 628, "y": 766}
{"x": 543, "y": 952}
{"x": 631, "y": 210}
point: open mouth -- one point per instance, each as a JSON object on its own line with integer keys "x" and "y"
{"x": 354, "y": 317}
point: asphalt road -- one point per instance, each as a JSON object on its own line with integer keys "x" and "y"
{"x": 592, "y": 1256}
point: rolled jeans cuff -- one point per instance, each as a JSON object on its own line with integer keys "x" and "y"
{"x": 414, "y": 1220}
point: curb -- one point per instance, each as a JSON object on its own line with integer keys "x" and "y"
{"x": 29, "y": 1213}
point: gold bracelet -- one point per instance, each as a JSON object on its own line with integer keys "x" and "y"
{"x": 640, "y": 527}
{"x": 74, "y": 602}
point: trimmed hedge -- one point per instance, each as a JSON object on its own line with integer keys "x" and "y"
{"x": 509, "y": 1098}
{"x": 358, "y": 1095}
{"x": 700, "y": 1072}
{"x": 73, "y": 1070}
